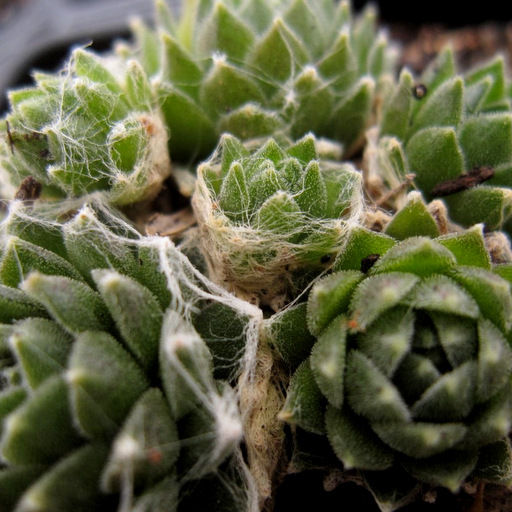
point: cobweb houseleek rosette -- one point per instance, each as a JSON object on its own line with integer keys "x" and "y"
{"x": 108, "y": 393}
{"x": 452, "y": 130}
{"x": 255, "y": 69}
{"x": 410, "y": 368}
{"x": 94, "y": 126}
{"x": 270, "y": 219}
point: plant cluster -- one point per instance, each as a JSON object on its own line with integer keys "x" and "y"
{"x": 343, "y": 302}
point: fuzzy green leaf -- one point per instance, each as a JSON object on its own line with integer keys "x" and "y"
{"x": 451, "y": 398}
{"x": 379, "y": 293}
{"x": 397, "y": 110}
{"x": 270, "y": 150}
{"x": 276, "y": 55}
{"x": 487, "y": 205}
{"x": 162, "y": 496}
{"x": 494, "y": 73}
{"x": 291, "y": 175}
{"x": 491, "y": 292}
{"x": 392, "y": 161}
{"x": 288, "y": 333}
{"x": 441, "y": 69}
{"x": 262, "y": 185}
{"x": 192, "y": 133}
{"x": 127, "y": 143}
{"x": 146, "y": 446}
{"x": 14, "y": 305}
{"x": 360, "y": 243}
{"x": 21, "y": 258}
{"x": 42, "y": 349}
{"x": 494, "y": 361}
{"x": 457, "y": 336}
{"x": 444, "y": 107}
{"x": 135, "y": 311}
{"x": 22, "y": 223}
{"x": 330, "y": 297}
{"x": 305, "y": 404}
{"x": 442, "y": 294}
{"x": 418, "y": 255}
{"x": 98, "y": 103}
{"x": 71, "y": 484}
{"x": 231, "y": 149}
{"x": 413, "y": 219}
{"x": 305, "y": 23}
{"x": 414, "y": 375}
{"x": 304, "y": 149}
{"x": 354, "y": 442}
{"x": 311, "y": 104}
{"x": 74, "y": 305}
{"x": 492, "y": 421}
{"x": 179, "y": 68}
{"x": 234, "y": 196}
{"x": 420, "y": 440}
{"x": 434, "y": 156}
{"x": 313, "y": 198}
{"x": 328, "y": 361}
{"x": 281, "y": 215}
{"x": 388, "y": 340}
{"x": 227, "y": 88}
{"x": 185, "y": 365}
{"x": 250, "y": 121}
{"x": 215, "y": 429}
{"x": 10, "y": 399}
{"x": 138, "y": 88}
{"x": 41, "y": 430}
{"x": 99, "y": 363}
{"x": 350, "y": 116}
{"x": 468, "y": 247}
{"x": 371, "y": 394}
{"x": 225, "y": 33}
{"x": 340, "y": 56}
{"x": 14, "y": 481}
{"x": 223, "y": 330}
{"x": 448, "y": 469}
{"x": 487, "y": 140}
{"x": 88, "y": 65}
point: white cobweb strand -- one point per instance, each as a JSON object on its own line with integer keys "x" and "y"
{"x": 229, "y": 417}
{"x": 76, "y": 149}
{"x": 248, "y": 259}
{"x": 188, "y": 287}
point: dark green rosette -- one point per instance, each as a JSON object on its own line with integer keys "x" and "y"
{"x": 407, "y": 369}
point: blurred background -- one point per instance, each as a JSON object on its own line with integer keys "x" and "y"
{"x": 39, "y": 33}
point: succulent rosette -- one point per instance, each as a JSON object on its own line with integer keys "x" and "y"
{"x": 453, "y": 132}
{"x": 107, "y": 123}
{"x": 408, "y": 366}
{"x": 255, "y": 69}
{"x": 92, "y": 127}
{"x": 273, "y": 217}
{"x": 108, "y": 394}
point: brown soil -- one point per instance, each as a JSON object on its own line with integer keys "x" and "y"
{"x": 472, "y": 44}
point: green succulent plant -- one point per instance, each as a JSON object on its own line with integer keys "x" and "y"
{"x": 88, "y": 128}
{"x": 108, "y": 394}
{"x": 280, "y": 334}
{"x": 453, "y": 132}
{"x": 273, "y": 217}
{"x": 254, "y": 69}
{"x": 408, "y": 365}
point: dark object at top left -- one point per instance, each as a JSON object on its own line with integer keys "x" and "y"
{"x": 38, "y": 33}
